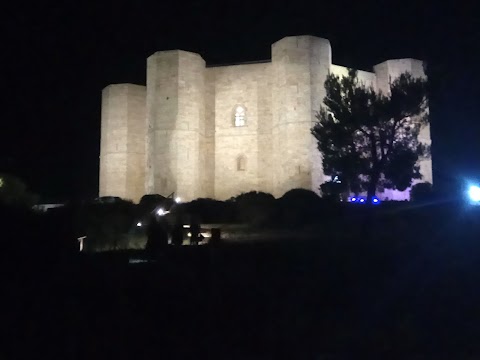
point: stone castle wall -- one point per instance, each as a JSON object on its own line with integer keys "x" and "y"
{"x": 247, "y": 86}
{"x": 366, "y": 78}
{"x": 300, "y": 66}
{"x": 122, "y": 150}
{"x": 178, "y": 134}
{"x": 176, "y": 123}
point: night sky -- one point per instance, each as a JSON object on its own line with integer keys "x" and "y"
{"x": 56, "y": 60}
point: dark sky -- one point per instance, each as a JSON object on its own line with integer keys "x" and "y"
{"x": 57, "y": 59}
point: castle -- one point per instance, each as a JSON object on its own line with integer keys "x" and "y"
{"x": 217, "y": 131}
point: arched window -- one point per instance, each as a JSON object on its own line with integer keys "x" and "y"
{"x": 239, "y": 116}
{"x": 241, "y": 163}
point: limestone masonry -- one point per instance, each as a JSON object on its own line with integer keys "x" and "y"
{"x": 200, "y": 131}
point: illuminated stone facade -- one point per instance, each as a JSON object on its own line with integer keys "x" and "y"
{"x": 200, "y": 131}
{"x": 122, "y": 148}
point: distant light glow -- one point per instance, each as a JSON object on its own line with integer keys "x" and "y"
{"x": 203, "y": 234}
{"x": 474, "y": 193}
{"x": 1, "y": 182}
{"x": 375, "y": 200}
{"x": 139, "y": 224}
{"x": 353, "y": 199}
{"x": 137, "y": 261}
{"x": 178, "y": 200}
{"x": 362, "y": 200}
{"x": 161, "y": 212}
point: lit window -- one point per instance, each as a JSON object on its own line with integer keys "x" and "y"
{"x": 239, "y": 116}
{"x": 241, "y": 163}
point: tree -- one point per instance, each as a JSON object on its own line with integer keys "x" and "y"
{"x": 334, "y": 190}
{"x": 369, "y": 139}
{"x": 105, "y": 224}
{"x": 14, "y": 192}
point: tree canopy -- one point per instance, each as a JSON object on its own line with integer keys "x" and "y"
{"x": 369, "y": 139}
{"x": 14, "y": 192}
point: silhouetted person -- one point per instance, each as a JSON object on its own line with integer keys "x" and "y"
{"x": 157, "y": 237}
{"x": 194, "y": 232}
{"x": 215, "y": 239}
{"x": 177, "y": 234}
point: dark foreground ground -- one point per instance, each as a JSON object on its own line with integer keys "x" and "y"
{"x": 407, "y": 289}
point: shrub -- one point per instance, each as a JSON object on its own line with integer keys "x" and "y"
{"x": 255, "y": 208}
{"x": 299, "y": 207}
{"x": 207, "y": 210}
{"x": 421, "y": 192}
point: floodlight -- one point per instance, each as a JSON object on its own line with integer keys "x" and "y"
{"x": 474, "y": 193}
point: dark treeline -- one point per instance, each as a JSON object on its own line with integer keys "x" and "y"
{"x": 396, "y": 281}
{"x": 112, "y": 224}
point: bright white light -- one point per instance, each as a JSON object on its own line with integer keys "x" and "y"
{"x": 161, "y": 212}
{"x": 375, "y": 200}
{"x": 362, "y": 200}
{"x": 204, "y": 234}
{"x": 474, "y": 193}
{"x": 354, "y": 199}
{"x": 178, "y": 200}
{"x": 80, "y": 240}
{"x": 139, "y": 224}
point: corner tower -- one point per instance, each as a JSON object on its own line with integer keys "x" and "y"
{"x": 175, "y": 123}
{"x": 122, "y": 145}
{"x": 300, "y": 67}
